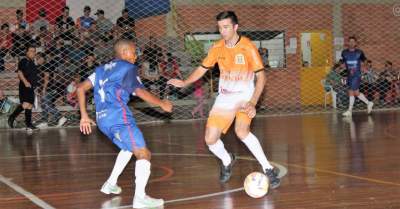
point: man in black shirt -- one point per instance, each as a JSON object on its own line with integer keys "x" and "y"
{"x": 27, "y": 74}
{"x": 50, "y": 91}
{"x": 65, "y": 25}
{"x": 126, "y": 25}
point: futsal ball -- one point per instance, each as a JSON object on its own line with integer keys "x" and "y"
{"x": 256, "y": 184}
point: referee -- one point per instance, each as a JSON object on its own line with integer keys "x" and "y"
{"x": 27, "y": 74}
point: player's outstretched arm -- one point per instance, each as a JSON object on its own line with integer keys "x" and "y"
{"x": 86, "y": 122}
{"x": 196, "y": 75}
{"x": 151, "y": 99}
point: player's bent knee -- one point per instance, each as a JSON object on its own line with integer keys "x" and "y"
{"x": 241, "y": 133}
{"x": 142, "y": 153}
{"x": 211, "y": 136}
{"x": 210, "y": 140}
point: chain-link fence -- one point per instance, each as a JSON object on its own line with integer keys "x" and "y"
{"x": 300, "y": 43}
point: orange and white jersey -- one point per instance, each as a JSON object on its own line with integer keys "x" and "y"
{"x": 237, "y": 65}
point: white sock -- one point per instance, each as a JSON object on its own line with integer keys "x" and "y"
{"x": 219, "y": 150}
{"x": 351, "y": 102}
{"x": 142, "y": 174}
{"x": 122, "y": 160}
{"x": 362, "y": 97}
{"x": 334, "y": 99}
{"x": 255, "y": 148}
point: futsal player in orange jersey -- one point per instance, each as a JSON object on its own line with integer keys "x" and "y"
{"x": 239, "y": 63}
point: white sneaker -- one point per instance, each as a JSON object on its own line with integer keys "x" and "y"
{"x": 61, "y": 121}
{"x": 347, "y": 113}
{"x": 42, "y": 125}
{"x": 369, "y": 107}
{"x": 147, "y": 202}
{"x": 108, "y": 188}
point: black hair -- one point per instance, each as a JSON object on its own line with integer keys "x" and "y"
{"x": 42, "y": 13}
{"x": 5, "y": 25}
{"x": 29, "y": 46}
{"x": 353, "y": 37}
{"x": 228, "y": 14}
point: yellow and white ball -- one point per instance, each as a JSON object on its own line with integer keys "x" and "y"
{"x": 256, "y": 184}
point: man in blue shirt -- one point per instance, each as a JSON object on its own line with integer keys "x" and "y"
{"x": 113, "y": 83}
{"x": 353, "y": 58}
{"x": 85, "y": 22}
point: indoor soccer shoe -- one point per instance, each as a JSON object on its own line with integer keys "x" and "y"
{"x": 146, "y": 202}
{"x": 107, "y": 188}
{"x": 272, "y": 174}
{"x": 226, "y": 171}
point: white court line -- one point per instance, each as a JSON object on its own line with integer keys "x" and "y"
{"x": 282, "y": 172}
{"x": 192, "y": 198}
{"x": 27, "y": 194}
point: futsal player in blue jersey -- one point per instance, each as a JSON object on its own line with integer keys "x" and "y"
{"x": 353, "y": 59}
{"x": 113, "y": 83}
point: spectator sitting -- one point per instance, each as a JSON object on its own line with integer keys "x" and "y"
{"x": 334, "y": 79}
{"x": 21, "y": 22}
{"x": 169, "y": 69}
{"x": 67, "y": 70}
{"x": 43, "y": 39}
{"x": 87, "y": 44}
{"x": 126, "y": 25}
{"x": 57, "y": 51}
{"x": 40, "y": 22}
{"x": 149, "y": 78}
{"x": 5, "y": 43}
{"x": 85, "y": 22}
{"x": 104, "y": 25}
{"x": 20, "y": 39}
{"x": 152, "y": 54}
{"x": 368, "y": 79}
{"x": 88, "y": 67}
{"x": 264, "y": 55}
{"x": 385, "y": 80}
{"x": 77, "y": 52}
{"x": 71, "y": 92}
{"x": 104, "y": 49}
{"x": 65, "y": 25}
{"x": 94, "y": 34}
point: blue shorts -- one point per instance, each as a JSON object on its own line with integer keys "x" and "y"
{"x": 126, "y": 137}
{"x": 354, "y": 82}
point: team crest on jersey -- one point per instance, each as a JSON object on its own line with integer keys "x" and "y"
{"x": 239, "y": 59}
{"x": 117, "y": 136}
{"x": 109, "y": 66}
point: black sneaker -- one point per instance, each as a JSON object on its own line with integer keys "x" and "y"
{"x": 11, "y": 122}
{"x": 226, "y": 171}
{"x": 272, "y": 174}
{"x": 31, "y": 128}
